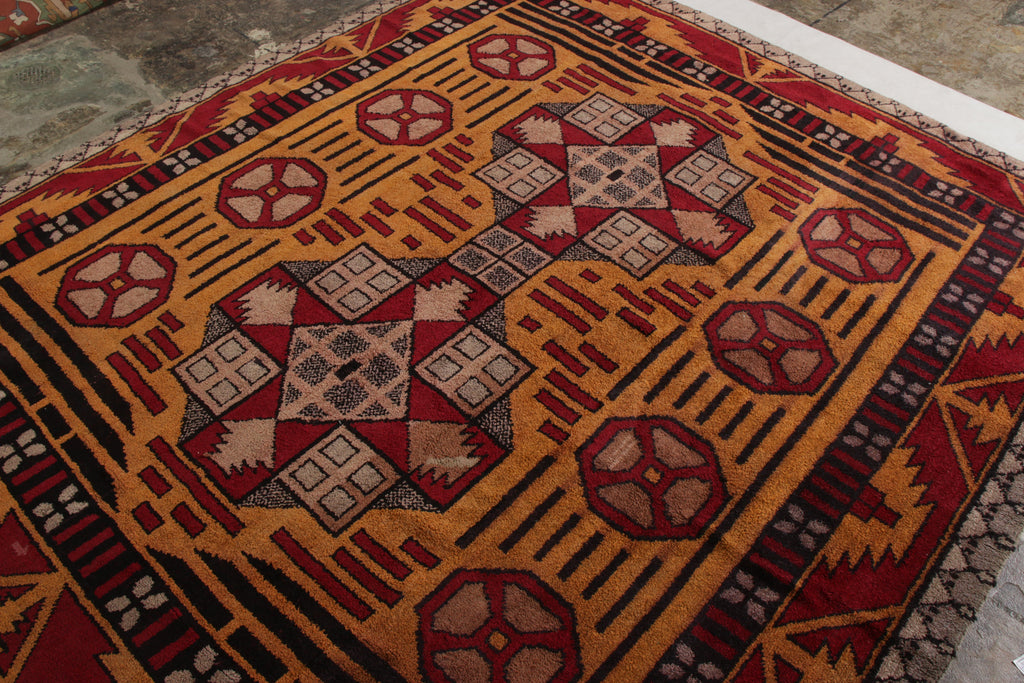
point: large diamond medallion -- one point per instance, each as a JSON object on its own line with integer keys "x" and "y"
{"x": 622, "y": 176}
{"x": 348, "y": 372}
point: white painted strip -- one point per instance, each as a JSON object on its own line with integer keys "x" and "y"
{"x": 963, "y": 114}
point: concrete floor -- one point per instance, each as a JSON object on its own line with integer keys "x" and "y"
{"x": 65, "y": 87}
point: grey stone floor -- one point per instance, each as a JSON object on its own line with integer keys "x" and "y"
{"x": 68, "y": 86}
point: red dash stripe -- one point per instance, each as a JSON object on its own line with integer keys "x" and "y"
{"x": 732, "y": 120}
{"x": 459, "y": 154}
{"x": 417, "y": 552}
{"x": 12, "y": 426}
{"x": 790, "y": 189}
{"x": 724, "y": 620}
{"x": 157, "y": 626}
{"x": 117, "y": 579}
{"x": 714, "y": 642}
{"x": 384, "y": 207}
{"x": 681, "y": 292}
{"x": 571, "y": 363}
{"x": 552, "y": 403}
{"x": 184, "y": 516}
{"x": 377, "y": 224}
{"x": 445, "y": 213}
{"x": 576, "y": 296}
{"x": 309, "y": 564}
{"x": 384, "y": 592}
{"x": 560, "y": 311}
{"x": 444, "y": 161}
{"x": 103, "y": 560}
{"x": 164, "y": 343}
{"x": 780, "y": 574}
{"x": 720, "y": 102}
{"x": 91, "y": 543}
{"x": 581, "y": 78}
{"x": 63, "y": 536}
{"x": 636, "y": 322}
{"x": 881, "y": 419}
{"x": 429, "y": 224}
{"x": 782, "y": 551}
{"x": 571, "y": 84}
{"x": 463, "y": 140}
{"x": 777, "y": 197}
{"x": 604, "y": 79}
{"x": 923, "y": 358}
{"x": 164, "y": 656}
{"x": 819, "y": 504}
{"x": 799, "y": 182}
{"x": 956, "y": 314}
{"x": 154, "y": 404}
{"x": 144, "y": 355}
{"x": 851, "y": 461}
{"x": 779, "y": 211}
{"x": 701, "y": 115}
{"x": 381, "y": 555}
{"x": 694, "y": 100}
{"x": 168, "y": 457}
{"x": 328, "y": 232}
{"x": 345, "y": 222}
{"x": 422, "y": 182}
{"x": 830, "y": 489}
{"x": 173, "y": 324}
{"x": 39, "y": 490}
{"x": 899, "y": 413}
{"x": 703, "y": 289}
{"x": 30, "y": 472}
{"x": 836, "y": 473}
{"x": 602, "y": 361}
{"x": 445, "y": 179}
{"x": 304, "y": 237}
{"x": 674, "y": 308}
{"x": 633, "y": 299}
{"x": 554, "y": 433}
{"x": 573, "y": 391}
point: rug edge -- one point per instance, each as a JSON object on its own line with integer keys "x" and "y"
{"x": 372, "y": 10}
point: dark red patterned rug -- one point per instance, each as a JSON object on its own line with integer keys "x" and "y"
{"x": 22, "y": 18}
{"x": 511, "y": 340}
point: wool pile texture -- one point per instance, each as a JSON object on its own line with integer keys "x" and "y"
{"x": 511, "y": 340}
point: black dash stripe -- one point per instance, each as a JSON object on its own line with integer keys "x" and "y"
{"x": 630, "y": 377}
{"x": 533, "y": 475}
{"x": 92, "y": 374}
{"x": 813, "y": 292}
{"x": 605, "y": 574}
{"x": 308, "y": 652}
{"x": 689, "y": 392}
{"x": 857, "y": 317}
{"x": 628, "y": 595}
{"x": 213, "y": 278}
{"x": 585, "y": 551}
{"x": 672, "y": 373}
{"x": 531, "y": 520}
{"x": 556, "y": 538}
{"x": 198, "y": 591}
{"x": 754, "y": 260}
{"x": 314, "y": 610}
{"x": 774, "y": 271}
{"x": 836, "y": 304}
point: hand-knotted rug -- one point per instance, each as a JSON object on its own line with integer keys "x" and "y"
{"x": 511, "y": 340}
{"x": 21, "y": 18}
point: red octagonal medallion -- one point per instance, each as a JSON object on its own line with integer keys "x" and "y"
{"x": 652, "y": 478}
{"x": 485, "y": 626}
{"x": 769, "y": 347}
